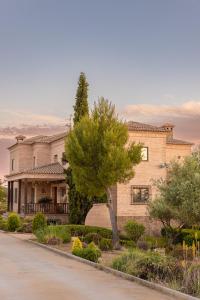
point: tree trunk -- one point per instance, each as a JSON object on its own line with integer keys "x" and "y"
{"x": 115, "y": 235}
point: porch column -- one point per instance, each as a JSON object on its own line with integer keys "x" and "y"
{"x": 25, "y": 194}
{"x": 11, "y": 196}
{"x": 8, "y": 200}
{"x": 19, "y": 195}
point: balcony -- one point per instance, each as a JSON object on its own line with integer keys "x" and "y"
{"x": 46, "y": 208}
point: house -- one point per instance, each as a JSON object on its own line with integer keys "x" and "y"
{"x": 37, "y": 176}
{"x": 37, "y": 173}
{"x": 130, "y": 199}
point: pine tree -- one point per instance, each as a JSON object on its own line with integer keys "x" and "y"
{"x": 79, "y": 204}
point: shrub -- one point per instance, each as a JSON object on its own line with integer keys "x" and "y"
{"x": 105, "y": 244}
{"x": 155, "y": 242}
{"x": 93, "y": 237}
{"x": 128, "y": 244}
{"x": 134, "y": 230}
{"x": 13, "y": 222}
{"x": 82, "y": 230}
{"x": 52, "y": 235}
{"x": 3, "y": 224}
{"x": 60, "y": 232}
{"x": 39, "y": 222}
{"x": 77, "y": 245}
{"x": 191, "y": 280}
{"x": 41, "y": 235}
{"x": 91, "y": 253}
{"x": 143, "y": 245}
{"x": 26, "y": 225}
{"x": 148, "y": 265}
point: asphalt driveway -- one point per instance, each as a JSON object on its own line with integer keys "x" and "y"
{"x": 28, "y": 272}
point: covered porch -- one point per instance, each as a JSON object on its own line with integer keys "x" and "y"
{"x": 38, "y": 190}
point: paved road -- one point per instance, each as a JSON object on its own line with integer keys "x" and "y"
{"x": 28, "y": 272}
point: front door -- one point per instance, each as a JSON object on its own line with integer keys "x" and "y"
{"x": 55, "y": 189}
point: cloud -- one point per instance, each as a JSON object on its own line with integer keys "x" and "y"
{"x": 18, "y": 118}
{"x": 187, "y": 110}
{"x": 185, "y": 117}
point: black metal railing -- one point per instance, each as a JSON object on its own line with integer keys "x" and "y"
{"x": 46, "y": 208}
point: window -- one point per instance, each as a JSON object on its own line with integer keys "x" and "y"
{"x": 12, "y": 164}
{"x": 15, "y": 195}
{"x": 145, "y": 153}
{"x": 140, "y": 194}
{"x": 55, "y": 158}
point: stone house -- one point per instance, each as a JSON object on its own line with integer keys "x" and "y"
{"x": 37, "y": 171}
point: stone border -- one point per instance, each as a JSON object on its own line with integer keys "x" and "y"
{"x": 173, "y": 293}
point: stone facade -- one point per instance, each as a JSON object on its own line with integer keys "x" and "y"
{"x": 36, "y": 163}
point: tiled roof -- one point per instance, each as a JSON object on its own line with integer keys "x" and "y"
{"x": 54, "y": 168}
{"x": 49, "y": 169}
{"x": 136, "y": 126}
{"x": 178, "y": 142}
{"x": 45, "y": 138}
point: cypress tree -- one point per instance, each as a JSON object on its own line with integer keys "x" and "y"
{"x": 79, "y": 205}
{"x": 81, "y": 106}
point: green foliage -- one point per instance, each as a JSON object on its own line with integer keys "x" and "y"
{"x": 60, "y": 232}
{"x": 3, "y": 224}
{"x": 191, "y": 281}
{"x": 39, "y": 222}
{"x": 148, "y": 265}
{"x": 93, "y": 237}
{"x": 91, "y": 252}
{"x": 53, "y": 234}
{"x": 105, "y": 244}
{"x": 26, "y": 225}
{"x": 134, "y": 230}
{"x": 81, "y": 106}
{"x": 179, "y": 194}
{"x": 79, "y": 205}
{"x": 3, "y": 201}
{"x": 97, "y": 153}
{"x": 83, "y": 230}
{"x": 155, "y": 242}
{"x": 128, "y": 244}
{"x": 13, "y": 222}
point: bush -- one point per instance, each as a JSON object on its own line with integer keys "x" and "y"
{"x": 105, "y": 244}
{"x": 53, "y": 235}
{"x": 148, "y": 265}
{"x": 26, "y": 225}
{"x": 191, "y": 280}
{"x": 39, "y": 222}
{"x": 91, "y": 253}
{"x": 82, "y": 230}
{"x": 92, "y": 237}
{"x": 77, "y": 245}
{"x": 134, "y": 230}
{"x": 13, "y": 222}
{"x": 155, "y": 242}
{"x": 42, "y": 235}
{"x": 143, "y": 245}
{"x": 60, "y": 232}
{"x": 128, "y": 244}
{"x": 3, "y": 224}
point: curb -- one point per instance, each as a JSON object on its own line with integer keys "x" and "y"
{"x": 167, "y": 291}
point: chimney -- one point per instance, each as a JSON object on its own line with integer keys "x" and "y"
{"x": 20, "y": 138}
{"x": 169, "y": 129}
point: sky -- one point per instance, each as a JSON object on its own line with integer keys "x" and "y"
{"x": 143, "y": 55}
